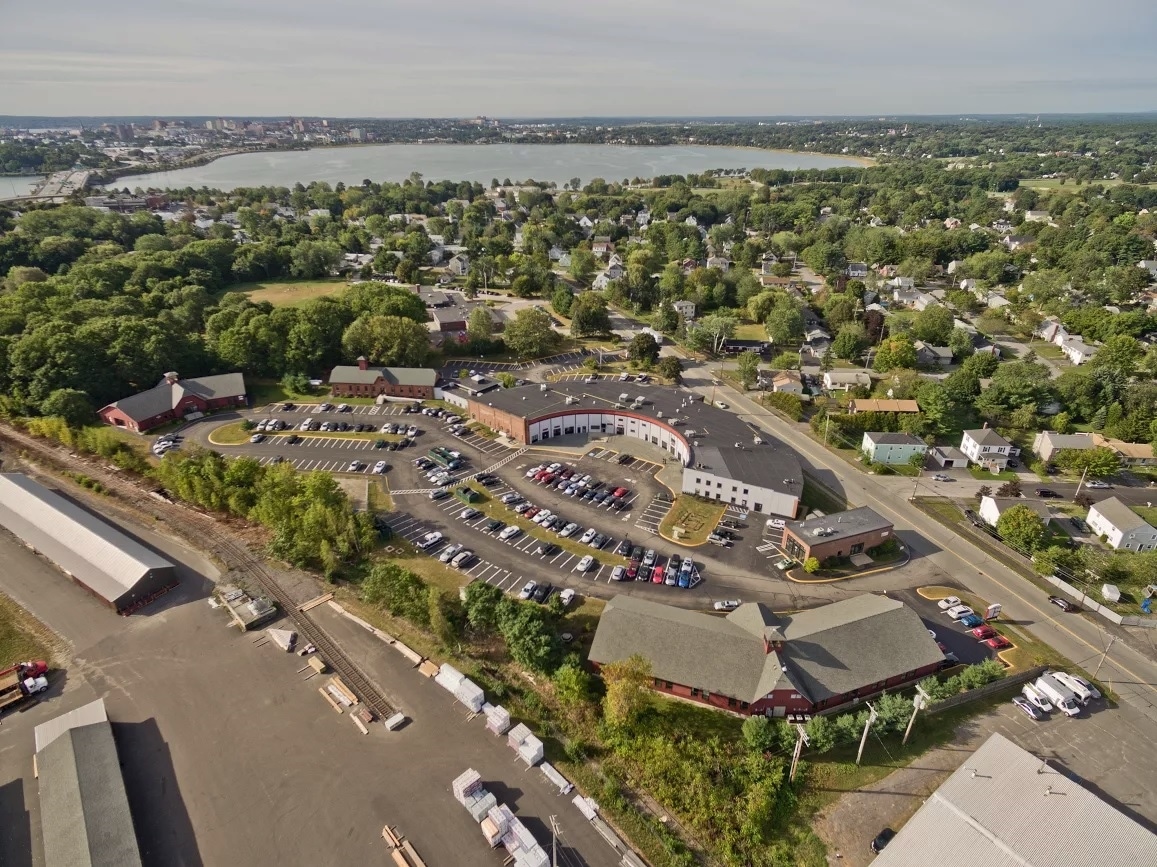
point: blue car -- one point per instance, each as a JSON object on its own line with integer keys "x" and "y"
{"x": 971, "y": 620}
{"x": 684, "y": 579}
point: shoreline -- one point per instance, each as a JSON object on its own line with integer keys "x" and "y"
{"x": 130, "y": 171}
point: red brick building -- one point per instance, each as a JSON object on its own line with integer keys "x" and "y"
{"x": 756, "y": 662}
{"x": 840, "y": 535}
{"x": 365, "y": 381}
{"x": 175, "y": 398}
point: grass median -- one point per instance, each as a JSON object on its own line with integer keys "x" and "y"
{"x": 691, "y": 520}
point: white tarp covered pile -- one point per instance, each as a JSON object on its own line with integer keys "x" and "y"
{"x": 522, "y": 846}
{"x": 449, "y": 678}
{"x": 470, "y": 694}
{"x": 558, "y": 780}
{"x": 497, "y": 718}
{"x": 283, "y": 638}
{"x": 338, "y": 696}
{"x": 516, "y": 736}
{"x": 528, "y": 747}
{"x": 586, "y": 806}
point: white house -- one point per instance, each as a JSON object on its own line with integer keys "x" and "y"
{"x": 843, "y": 380}
{"x": 892, "y": 448}
{"x": 991, "y": 508}
{"x": 719, "y": 263}
{"x": 1149, "y": 265}
{"x": 458, "y": 265}
{"x": 686, "y": 309}
{"x": 602, "y": 281}
{"x": 987, "y": 448}
{"x": 1121, "y": 527}
{"x": 1076, "y": 350}
{"x": 788, "y": 381}
{"x": 856, "y": 270}
{"x": 614, "y": 270}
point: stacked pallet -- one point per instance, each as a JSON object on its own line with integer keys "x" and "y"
{"x": 496, "y": 824}
{"x": 497, "y": 718}
{"x": 449, "y": 678}
{"x": 528, "y": 747}
{"x": 523, "y": 848}
{"x": 469, "y": 793}
{"x": 470, "y": 694}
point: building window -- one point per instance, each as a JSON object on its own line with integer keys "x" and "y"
{"x": 695, "y": 692}
{"x": 745, "y": 490}
{"x": 734, "y": 489}
{"x": 719, "y": 484}
{"x": 857, "y": 548}
{"x": 731, "y": 702}
{"x": 759, "y": 507}
{"x": 698, "y": 480}
{"x": 744, "y": 705}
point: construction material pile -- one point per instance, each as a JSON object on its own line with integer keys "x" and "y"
{"x": 528, "y": 747}
{"x": 497, "y": 718}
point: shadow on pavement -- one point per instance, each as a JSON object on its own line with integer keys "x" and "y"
{"x": 16, "y": 841}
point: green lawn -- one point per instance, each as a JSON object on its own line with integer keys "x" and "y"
{"x": 281, "y": 293}
{"x": 817, "y": 497}
{"x": 985, "y": 476}
{"x": 750, "y": 331}
{"x": 22, "y": 636}
{"x": 695, "y": 518}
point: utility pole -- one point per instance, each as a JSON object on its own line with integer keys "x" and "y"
{"x": 867, "y": 727}
{"x": 799, "y": 744}
{"x": 1103, "y": 655}
{"x": 554, "y": 832}
{"x": 917, "y": 705}
{"x": 1080, "y": 483}
{"x": 827, "y": 424}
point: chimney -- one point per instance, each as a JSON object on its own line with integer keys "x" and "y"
{"x": 363, "y": 362}
{"x": 171, "y": 378}
{"x": 772, "y": 640}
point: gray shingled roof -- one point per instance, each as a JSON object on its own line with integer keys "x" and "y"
{"x": 853, "y": 522}
{"x": 100, "y": 556}
{"x": 828, "y": 651}
{"x": 1004, "y": 807}
{"x": 987, "y": 437}
{"x": 893, "y": 439}
{"x": 85, "y": 814}
{"x": 1119, "y": 514}
{"x": 764, "y": 466}
{"x": 164, "y": 396}
{"x": 351, "y": 374}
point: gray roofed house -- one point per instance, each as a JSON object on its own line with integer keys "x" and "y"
{"x": 85, "y": 816}
{"x": 112, "y": 565}
{"x": 1005, "y": 807}
{"x": 991, "y": 508}
{"x": 174, "y": 398}
{"x": 823, "y": 657}
{"x": 1121, "y": 526}
{"x": 1046, "y": 443}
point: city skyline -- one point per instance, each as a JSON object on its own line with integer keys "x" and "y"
{"x": 352, "y": 58}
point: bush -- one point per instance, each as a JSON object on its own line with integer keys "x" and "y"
{"x": 788, "y": 404}
{"x": 811, "y": 565}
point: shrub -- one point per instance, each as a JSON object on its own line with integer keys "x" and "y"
{"x": 788, "y": 404}
{"x": 811, "y": 565}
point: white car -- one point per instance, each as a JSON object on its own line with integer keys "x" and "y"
{"x": 554, "y": 468}
{"x": 1036, "y": 698}
{"x": 527, "y": 589}
{"x": 1098, "y": 486}
{"x": 429, "y": 541}
{"x": 355, "y": 467}
{"x": 542, "y": 516}
{"x": 412, "y": 432}
{"x": 385, "y": 429}
{"x": 959, "y": 612}
{"x": 509, "y": 533}
{"x": 727, "y": 605}
{"x": 948, "y": 602}
{"x": 585, "y": 564}
{"x": 380, "y": 467}
{"x": 940, "y": 477}
{"x": 462, "y": 559}
{"x": 450, "y": 552}
{"x": 569, "y": 530}
{"x": 257, "y": 437}
{"x": 588, "y": 535}
{"x": 305, "y": 424}
{"x": 534, "y": 471}
{"x": 619, "y": 573}
{"x": 566, "y": 597}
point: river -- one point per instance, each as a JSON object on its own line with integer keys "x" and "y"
{"x": 395, "y": 162}
{"x": 20, "y": 185}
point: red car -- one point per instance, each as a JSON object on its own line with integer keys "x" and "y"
{"x": 619, "y": 492}
{"x": 541, "y": 474}
{"x": 633, "y": 569}
{"x": 548, "y": 478}
{"x": 566, "y": 474}
{"x": 657, "y": 575}
{"x": 998, "y": 643}
{"x": 983, "y": 632}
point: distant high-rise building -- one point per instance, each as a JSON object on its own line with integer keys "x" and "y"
{"x": 357, "y": 134}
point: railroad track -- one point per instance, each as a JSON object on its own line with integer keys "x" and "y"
{"x": 181, "y": 519}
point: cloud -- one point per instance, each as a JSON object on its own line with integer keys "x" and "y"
{"x": 600, "y": 57}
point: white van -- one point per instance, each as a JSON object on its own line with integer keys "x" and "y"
{"x": 775, "y": 523}
{"x": 1061, "y": 696}
{"x": 1036, "y": 698}
{"x": 1082, "y": 692}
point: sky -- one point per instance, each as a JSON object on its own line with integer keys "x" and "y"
{"x": 605, "y": 58}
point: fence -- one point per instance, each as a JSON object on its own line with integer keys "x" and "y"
{"x": 988, "y": 689}
{"x": 1095, "y": 606}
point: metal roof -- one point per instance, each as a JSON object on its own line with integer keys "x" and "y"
{"x": 85, "y": 814}
{"x": 104, "y": 559}
{"x": 88, "y": 714}
{"x": 166, "y": 395}
{"x": 1004, "y": 807}
{"x": 349, "y": 373}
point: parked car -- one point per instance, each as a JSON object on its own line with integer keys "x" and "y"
{"x": 956, "y": 612}
{"x": 619, "y": 573}
{"x": 585, "y": 564}
{"x": 727, "y": 605}
{"x": 463, "y": 559}
{"x": 948, "y": 602}
{"x": 569, "y": 530}
{"x": 450, "y": 552}
{"x": 941, "y": 477}
{"x": 970, "y": 621}
{"x": 566, "y": 597}
{"x": 998, "y": 642}
{"x": 633, "y": 570}
{"x": 1063, "y": 604}
{"x": 469, "y": 514}
{"x": 1037, "y": 698}
{"x": 1047, "y": 493}
{"x": 598, "y": 541}
{"x": 785, "y": 564}
{"x": 509, "y": 533}
{"x": 982, "y": 633}
{"x": 1083, "y": 689}
{"x": 656, "y": 574}
{"x": 649, "y": 557}
{"x": 542, "y": 593}
{"x": 1098, "y": 486}
{"x": 527, "y": 589}
{"x": 881, "y": 840}
{"x": 973, "y": 518}
{"x": 257, "y": 437}
{"x": 546, "y": 549}
{"x": 379, "y": 467}
{"x": 588, "y": 536}
{"x": 1025, "y": 705}
{"x": 439, "y": 494}
{"x": 429, "y": 541}
{"x": 355, "y": 467}
{"x": 494, "y": 525}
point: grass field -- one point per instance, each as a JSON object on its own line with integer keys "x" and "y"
{"x": 282, "y": 293}
{"x": 21, "y": 635}
{"x": 694, "y": 517}
{"x": 750, "y": 331}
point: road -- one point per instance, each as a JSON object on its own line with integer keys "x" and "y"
{"x": 1132, "y": 674}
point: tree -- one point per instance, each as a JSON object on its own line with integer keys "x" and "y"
{"x": 627, "y": 690}
{"x": 982, "y": 492}
{"x": 934, "y": 325}
{"x": 479, "y": 326}
{"x": 313, "y": 259}
{"x": 589, "y": 315}
{"x": 529, "y": 635}
{"x": 388, "y": 340}
{"x": 895, "y": 353}
{"x": 748, "y": 368}
{"x": 714, "y": 329}
{"x": 759, "y": 734}
{"x": 582, "y": 265}
{"x": 506, "y": 380}
{"x": 70, "y": 404}
{"x": 849, "y": 343}
{"x": 811, "y": 565}
{"x": 529, "y": 335}
{"x": 665, "y": 319}
{"x": 785, "y": 361}
{"x": 839, "y": 310}
{"x": 643, "y": 348}
{"x": 562, "y": 300}
{"x": 671, "y": 368}
{"x": 1011, "y": 488}
{"x": 572, "y": 683}
{"x": 874, "y": 325}
{"x": 444, "y": 615}
{"x": 785, "y": 321}
{"x": 960, "y": 342}
{"x": 1096, "y": 463}
{"x": 1120, "y": 353}
{"x": 481, "y": 605}
{"x": 1021, "y": 528}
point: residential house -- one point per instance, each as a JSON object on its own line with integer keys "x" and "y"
{"x": 995, "y": 301}
{"x": 991, "y": 508}
{"x": 1129, "y": 454}
{"x": 614, "y": 270}
{"x": 856, "y": 270}
{"x": 815, "y": 334}
{"x": 1016, "y": 242}
{"x": 1120, "y": 526}
{"x": 432, "y": 298}
{"x": 844, "y": 380}
{"x": 1046, "y": 443}
{"x": 453, "y": 320}
{"x": 364, "y": 381}
{"x": 1050, "y": 330}
{"x": 952, "y": 223}
{"x": 1076, "y": 350}
{"x": 837, "y": 536}
{"x": 906, "y": 297}
{"x": 923, "y": 301}
{"x": 788, "y": 381}
{"x": 686, "y": 309}
{"x": 555, "y": 253}
{"x": 948, "y": 457}
{"x": 892, "y": 448}
{"x": 1149, "y": 265}
{"x": 586, "y": 223}
{"x": 1036, "y": 216}
{"x": 754, "y": 662}
{"x": 932, "y": 356}
{"x": 602, "y": 245}
{"x": 458, "y": 265}
{"x": 173, "y": 399}
{"x": 869, "y": 404}
{"x": 987, "y": 448}
{"x": 602, "y": 281}
{"x": 902, "y": 283}
{"x": 954, "y": 266}
{"x": 720, "y": 263}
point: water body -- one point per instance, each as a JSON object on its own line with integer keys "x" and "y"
{"x": 395, "y": 162}
{"x": 20, "y": 185}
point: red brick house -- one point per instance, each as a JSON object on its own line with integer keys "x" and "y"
{"x": 365, "y": 381}
{"x": 756, "y": 662}
{"x": 175, "y": 398}
{"x": 840, "y": 535}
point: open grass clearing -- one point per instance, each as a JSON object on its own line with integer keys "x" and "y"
{"x": 22, "y": 636}
{"x": 691, "y": 520}
{"x": 985, "y": 476}
{"x": 750, "y": 331}
{"x": 282, "y": 293}
{"x": 232, "y": 434}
